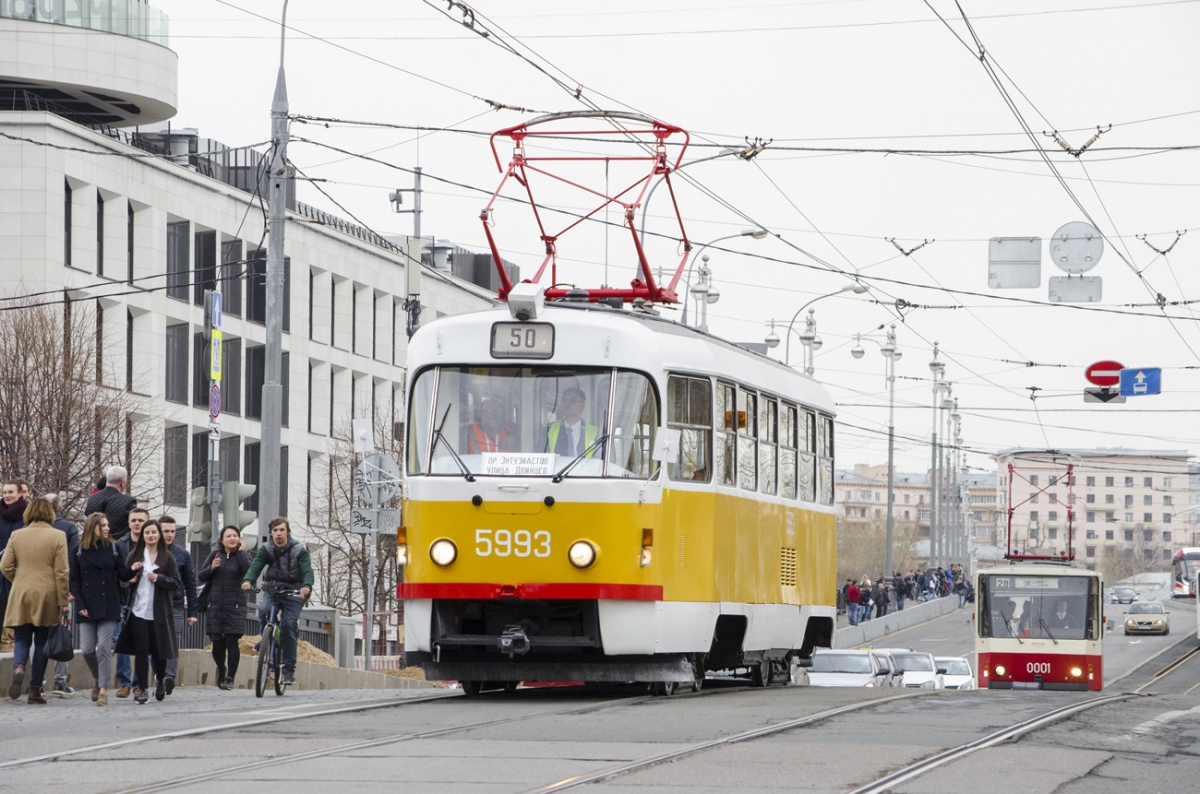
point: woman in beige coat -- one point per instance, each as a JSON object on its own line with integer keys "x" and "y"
{"x": 36, "y": 563}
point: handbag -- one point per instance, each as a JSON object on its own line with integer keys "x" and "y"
{"x": 59, "y": 645}
{"x": 202, "y": 597}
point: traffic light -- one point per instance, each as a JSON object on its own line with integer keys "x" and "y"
{"x": 233, "y": 494}
{"x": 200, "y": 523}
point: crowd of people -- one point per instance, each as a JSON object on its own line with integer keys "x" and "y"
{"x": 133, "y": 589}
{"x": 864, "y": 598}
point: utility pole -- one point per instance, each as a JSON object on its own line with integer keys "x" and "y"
{"x": 272, "y": 393}
{"x": 412, "y": 265}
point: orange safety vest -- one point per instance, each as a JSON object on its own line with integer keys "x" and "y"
{"x": 479, "y": 441}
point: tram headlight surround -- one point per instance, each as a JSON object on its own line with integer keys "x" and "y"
{"x": 1000, "y": 669}
{"x": 443, "y": 552}
{"x": 1076, "y": 672}
{"x": 582, "y": 554}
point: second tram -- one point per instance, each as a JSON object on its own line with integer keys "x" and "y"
{"x": 1186, "y": 565}
{"x": 1039, "y": 625}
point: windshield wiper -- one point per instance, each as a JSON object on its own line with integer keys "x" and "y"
{"x": 437, "y": 437}
{"x": 1008, "y": 624}
{"x": 1046, "y": 629}
{"x": 574, "y": 461}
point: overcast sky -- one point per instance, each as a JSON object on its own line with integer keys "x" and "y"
{"x": 884, "y": 124}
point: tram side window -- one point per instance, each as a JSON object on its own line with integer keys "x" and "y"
{"x": 806, "y": 468}
{"x": 634, "y": 420}
{"x": 689, "y": 410}
{"x": 768, "y": 434}
{"x": 787, "y": 451}
{"x": 747, "y": 448}
{"x": 724, "y": 453}
{"x": 825, "y": 462}
{"x": 418, "y": 422}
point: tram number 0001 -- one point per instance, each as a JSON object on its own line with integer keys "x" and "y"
{"x": 504, "y": 543}
{"x": 1037, "y": 668}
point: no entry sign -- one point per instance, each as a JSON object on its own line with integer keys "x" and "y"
{"x": 1104, "y": 373}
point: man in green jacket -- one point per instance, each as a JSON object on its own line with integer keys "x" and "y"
{"x": 288, "y": 567}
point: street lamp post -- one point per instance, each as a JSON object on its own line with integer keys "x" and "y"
{"x": 893, "y": 354}
{"x": 936, "y": 367}
{"x": 755, "y": 234}
{"x": 809, "y": 337}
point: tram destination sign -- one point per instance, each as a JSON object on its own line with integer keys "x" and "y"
{"x": 540, "y": 464}
{"x": 522, "y": 340}
{"x": 1025, "y": 583}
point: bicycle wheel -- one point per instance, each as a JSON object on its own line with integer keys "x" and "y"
{"x": 265, "y": 646}
{"x": 277, "y": 662}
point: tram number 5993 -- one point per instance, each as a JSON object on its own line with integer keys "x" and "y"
{"x": 503, "y": 543}
{"x": 1037, "y": 668}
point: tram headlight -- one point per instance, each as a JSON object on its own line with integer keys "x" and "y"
{"x": 1076, "y": 672}
{"x": 1000, "y": 669}
{"x": 402, "y": 545}
{"x": 581, "y": 554}
{"x": 443, "y": 552}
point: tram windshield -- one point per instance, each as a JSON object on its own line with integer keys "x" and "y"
{"x": 532, "y": 422}
{"x": 1039, "y": 606}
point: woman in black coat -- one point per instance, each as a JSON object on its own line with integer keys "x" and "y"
{"x": 96, "y": 571}
{"x": 225, "y": 618}
{"x": 149, "y": 630}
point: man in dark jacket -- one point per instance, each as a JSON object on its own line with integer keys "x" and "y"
{"x": 124, "y": 664}
{"x": 61, "y": 680}
{"x": 287, "y": 566}
{"x": 113, "y": 502}
{"x": 186, "y": 593}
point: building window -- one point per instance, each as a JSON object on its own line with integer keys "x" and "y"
{"x": 250, "y": 475}
{"x": 200, "y": 370}
{"x": 232, "y": 268}
{"x": 1128, "y": 534}
{"x": 906, "y": 498}
{"x": 1147, "y": 554}
{"x": 1147, "y": 482}
{"x": 1166, "y": 554}
{"x": 1054, "y": 498}
{"x": 1052, "y": 533}
{"x": 1090, "y": 499}
{"x": 256, "y": 289}
{"x": 199, "y": 459}
{"x": 1052, "y": 515}
{"x": 231, "y": 459}
{"x": 1090, "y": 551}
{"x": 206, "y": 266}
{"x": 231, "y": 375}
{"x": 1108, "y": 534}
{"x": 1033, "y": 533}
{"x": 1166, "y": 536}
{"x": 1091, "y": 517}
{"x": 1167, "y": 482}
{"x": 175, "y": 460}
{"x": 1108, "y": 499}
{"x": 1167, "y": 500}
{"x": 128, "y": 350}
{"x": 1033, "y": 479}
{"x": 1166, "y": 518}
{"x": 176, "y": 389}
{"x": 1147, "y": 499}
{"x": 1033, "y": 498}
{"x": 1090, "y": 481}
{"x": 179, "y": 267}
{"x": 1128, "y": 482}
{"x": 68, "y": 201}
{"x": 1147, "y": 517}
{"x": 129, "y": 243}
{"x": 1110, "y": 516}
{"x": 1033, "y": 516}
{"x": 1129, "y": 518}
{"x": 256, "y": 357}
{"x": 99, "y": 234}
{"x": 1148, "y": 535}
{"x": 1129, "y": 500}
{"x": 1091, "y": 534}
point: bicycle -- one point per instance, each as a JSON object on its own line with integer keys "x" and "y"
{"x": 270, "y": 647}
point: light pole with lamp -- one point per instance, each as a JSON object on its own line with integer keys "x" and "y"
{"x": 936, "y": 367}
{"x": 706, "y": 294}
{"x": 892, "y": 354}
{"x": 809, "y": 337}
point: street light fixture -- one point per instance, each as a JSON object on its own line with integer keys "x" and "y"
{"x": 893, "y": 354}
{"x": 809, "y": 338}
{"x": 710, "y": 293}
{"x": 937, "y": 368}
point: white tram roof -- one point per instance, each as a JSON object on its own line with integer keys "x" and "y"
{"x": 591, "y": 335}
{"x": 1040, "y": 568}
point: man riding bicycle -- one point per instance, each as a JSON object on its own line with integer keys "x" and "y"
{"x": 288, "y": 567}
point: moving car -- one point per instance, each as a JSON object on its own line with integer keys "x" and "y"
{"x": 845, "y": 668}
{"x": 958, "y": 673}
{"x": 1147, "y": 617}
{"x": 892, "y": 671}
{"x": 920, "y": 670}
{"x": 1123, "y": 595}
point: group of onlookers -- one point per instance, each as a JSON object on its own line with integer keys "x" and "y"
{"x": 862, "y": 598}
{"x": 133, "y": 589}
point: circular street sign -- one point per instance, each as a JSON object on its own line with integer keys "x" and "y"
{"x": 214, "y": 401}
{"x": 1076, "y": 247}
{"x": 1104, "y": 373}
{"x": 377, "y": 478}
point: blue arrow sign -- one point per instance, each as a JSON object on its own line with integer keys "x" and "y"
{"x": 1136, "y": 382}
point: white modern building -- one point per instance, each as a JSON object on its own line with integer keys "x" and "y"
{"x": 136, "y": 226}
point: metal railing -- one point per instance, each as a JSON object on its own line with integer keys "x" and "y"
{"x": 123, "y": 17}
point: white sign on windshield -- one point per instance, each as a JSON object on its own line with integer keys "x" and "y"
{"x": 1037, "y": 583}
{"x": 509, "y": 464}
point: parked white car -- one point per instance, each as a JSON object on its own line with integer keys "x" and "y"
{"x": 845, "y": 668}
{"x": 959, "y": 674}
{"x": 920, "y": 670}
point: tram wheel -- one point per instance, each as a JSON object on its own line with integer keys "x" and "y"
{"x": 471, "y": 688}
{"x": 760, "y": 674}
{"x": 662, "y": 688}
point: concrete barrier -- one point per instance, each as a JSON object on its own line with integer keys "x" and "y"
{"x": 911, "y": 615}
{"x": 196, "y": 668}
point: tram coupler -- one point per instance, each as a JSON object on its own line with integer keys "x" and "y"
{"x": 514, "y": 641}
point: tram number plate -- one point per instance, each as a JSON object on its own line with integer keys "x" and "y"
{"x": 506, "y": 543}
{"x": 1038, "y": 668}
{"x": 522, "y": 340}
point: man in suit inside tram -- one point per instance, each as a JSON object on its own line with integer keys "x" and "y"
{"x": 570, "y": 435}
{"x": 1061, "y": 617}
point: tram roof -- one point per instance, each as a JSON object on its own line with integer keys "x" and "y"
{"x": 641, "y": 340}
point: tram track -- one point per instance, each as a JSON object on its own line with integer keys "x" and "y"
{"x": 1188, "y": 664}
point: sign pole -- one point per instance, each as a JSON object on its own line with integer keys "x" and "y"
{"x": 212, "y": 326}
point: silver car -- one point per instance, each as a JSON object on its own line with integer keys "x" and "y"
{"x": 958, "y": 673}
{"x": 845, "y": 668}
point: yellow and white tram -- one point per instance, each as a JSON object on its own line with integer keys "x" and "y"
{"x": 600, "y": 494}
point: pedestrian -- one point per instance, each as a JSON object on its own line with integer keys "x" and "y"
{"x": 62, "y": 684}
{"x": 864, "y": 600}
{"x": 851, "y": 590}
{"x": 149, "y": 630}
{"x": 138, "y": 516}
{"x": 184, "y": 598}
{"x": 12, "y": 513}
{"x": 882, "y": 598}
{"x": 902, "y": 585}
{"x": 35, "y": 561}
{"x": 225, "y": 619}
{"x": 96, "y": 571}
{"x": 113, "y": 502}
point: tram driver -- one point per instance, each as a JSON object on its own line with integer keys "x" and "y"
{"x": 1061, "y": 617}
{"x": 491, "y": 433}
{"x": 570, "y": 435}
